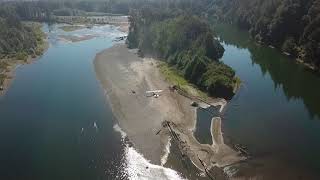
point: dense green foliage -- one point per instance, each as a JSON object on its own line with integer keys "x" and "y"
{"x": 186, "y": 43}
{"x": 44, "y": 9}
{"x": 16, "y": 38}
{"x": 292, "y": 25}
{"x": 170, "y": 30}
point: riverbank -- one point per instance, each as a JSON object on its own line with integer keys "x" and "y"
{"x": 296, "y": 59}
{"x": 9, "y": 65}
{"x": 72, "y": 38}
{"x": 79, "y": 22}
{"x": 70, "y": 28}
{"x": 150, "y": 122}
{"x": 277, "y": 101}
{"x": 122, "y": 26}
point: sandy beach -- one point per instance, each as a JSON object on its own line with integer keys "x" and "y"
{"x": 71, "y": 38}
{"x": 149, "y": 122}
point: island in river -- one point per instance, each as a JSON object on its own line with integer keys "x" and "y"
{"x": 150, "y": 122}
{"x": 275, "y": 151}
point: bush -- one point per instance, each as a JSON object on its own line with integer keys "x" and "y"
{"x": 219, "y": 80}
{"x": 289, "y": 46}
{"x": 2, "y": 78}
{"x": 22, "y": 56}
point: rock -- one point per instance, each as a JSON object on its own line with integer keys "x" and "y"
{"x": 194, "y": 104}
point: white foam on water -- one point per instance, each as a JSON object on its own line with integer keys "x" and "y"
{"x": 104, "y": 31}
{"x": 117, "y": 128}
{"x": 139, "y": 168}
{"x": 164, "y": 158}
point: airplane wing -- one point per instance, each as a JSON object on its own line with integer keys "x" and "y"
{"x": 154, "y": 91}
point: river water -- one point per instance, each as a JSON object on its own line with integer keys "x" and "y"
{"x": 275, "y": 114}
{"x": 55, "y": 122}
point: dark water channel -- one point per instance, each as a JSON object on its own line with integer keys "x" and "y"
{"x": 276, "y": 112}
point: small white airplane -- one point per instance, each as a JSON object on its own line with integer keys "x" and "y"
{"x": 155, "y": 93}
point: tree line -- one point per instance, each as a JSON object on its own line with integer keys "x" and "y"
{"x": 186, "y": 43}
{"x": 16, "y": 38}
{"x": 290, "y": 25}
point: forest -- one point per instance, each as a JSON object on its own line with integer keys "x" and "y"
{"x": 186, "y": 43}
{"x": 178, "y": 30}
{"x": 18, "y": 40}
{"x": 290, "y": 25}
{"x": 17, "y": 37}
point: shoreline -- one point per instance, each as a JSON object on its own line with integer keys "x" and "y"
{"x": 73, "y": 38}
{"x": 126, "y": 77}
{"x": 306, "y": 65}
{"x": 13, "y": 64}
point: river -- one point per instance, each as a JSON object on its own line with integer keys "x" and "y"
{"x": 55, "y": 121}
{"x": 275, "y": 114}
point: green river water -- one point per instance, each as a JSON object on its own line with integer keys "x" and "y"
{"x": 275, "y": 114}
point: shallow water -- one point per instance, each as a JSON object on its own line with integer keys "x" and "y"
{"x": 204, "y": 118}
{"x": 56, "y": 122}
{"x": 276, "y": 112}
